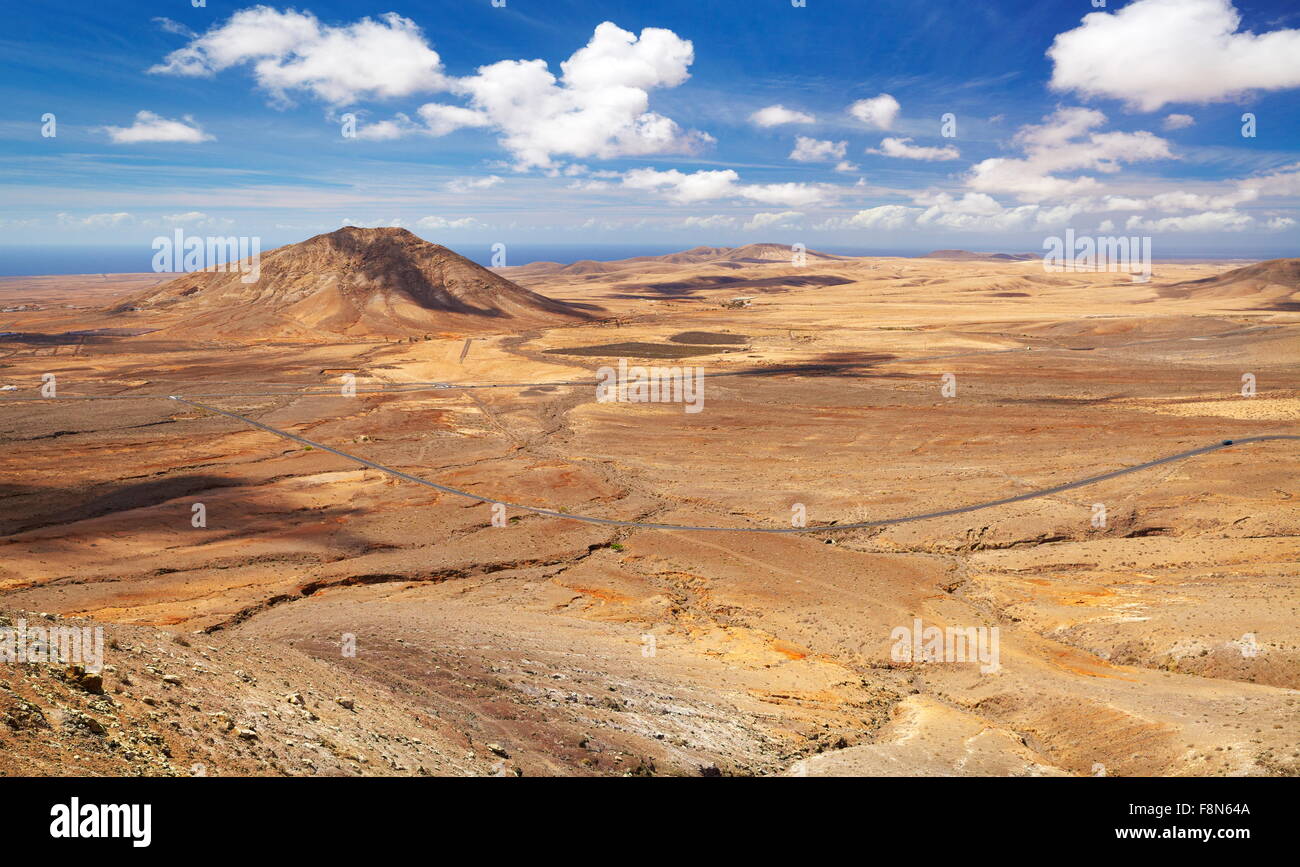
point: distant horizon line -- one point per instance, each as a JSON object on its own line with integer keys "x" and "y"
{"x": 24, "y": 260}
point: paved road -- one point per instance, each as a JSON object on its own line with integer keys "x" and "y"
{"x": 609, "y": 522}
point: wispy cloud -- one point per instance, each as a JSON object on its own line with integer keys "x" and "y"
{"x": 149, "y": 127}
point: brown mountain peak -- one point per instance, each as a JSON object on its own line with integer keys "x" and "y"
{"x": 353, "y": 282}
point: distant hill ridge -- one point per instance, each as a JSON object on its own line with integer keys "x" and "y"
{"x": 755, "y": 254}
{"x": 1272, "y": 285}
{"x": 967, "y": 254}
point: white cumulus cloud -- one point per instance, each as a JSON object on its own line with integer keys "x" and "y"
{"x": 685, "y": 188}
{"x": 291, "y": 51}
{"x": 1182, "y": 201}
{"x": 879, "y": 111}
{"x": 886, "y": 217}
{"x": 776, "y": 115}
{"x": 716, "y": 221}
{"x": 598, "y": 107}
{"x": 385, "y": 130}
{"x": 710, "y": 184}
{"x": 973, "y": 212}
{"x": 1154, "y": 52}
{"x": 196, "y": 219}
{"x": 149, "y": 127}
{"x": 904, "y": 149}
{"x": 781, "y": 220}
{"x": 1284, "y": 182}
{"x": 811, "y": 150}
{"x": 788, "y": 194}
{"x": 1209, "y": 221}
{"x": 1067, "y": 141}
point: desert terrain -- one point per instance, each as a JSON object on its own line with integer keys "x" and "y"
{"x": 1162, "y": 641}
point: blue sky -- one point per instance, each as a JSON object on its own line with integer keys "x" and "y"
{"x": 723, "y": 122}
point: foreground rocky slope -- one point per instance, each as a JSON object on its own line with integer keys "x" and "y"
{"x": 1161, "y": 639}
{"x": 1274, "y": 284}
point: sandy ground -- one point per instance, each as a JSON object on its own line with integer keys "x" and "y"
{"x": 1163, "y": 642}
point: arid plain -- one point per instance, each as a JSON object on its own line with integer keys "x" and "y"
{"x": 1164, "y": 641}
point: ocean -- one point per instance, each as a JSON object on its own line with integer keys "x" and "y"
{"x": 34, "y": 260}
